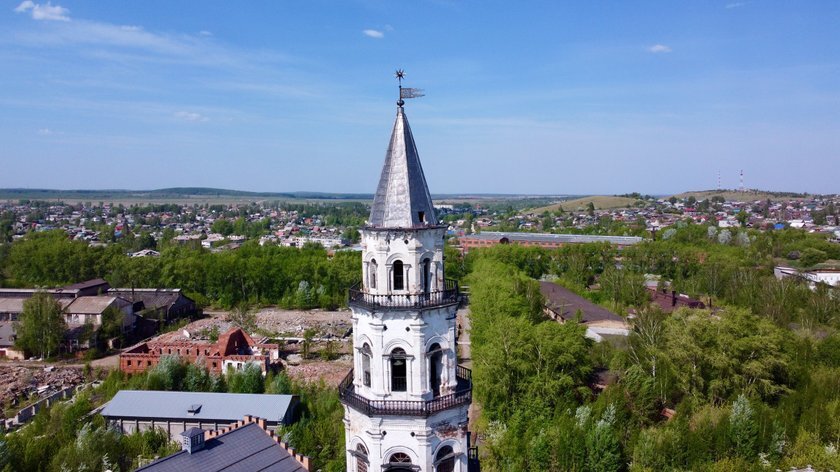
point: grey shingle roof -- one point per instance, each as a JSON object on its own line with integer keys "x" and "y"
{"x": 214, "y": 406}
{"x": 402, "y": 192}
{"x": 245, "y": 449}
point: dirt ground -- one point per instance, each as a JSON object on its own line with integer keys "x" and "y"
{"x": 331, "y": 372}
{"x": 271, "y": 323}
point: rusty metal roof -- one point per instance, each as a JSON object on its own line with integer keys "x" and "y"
{"x": 402, "y": 198}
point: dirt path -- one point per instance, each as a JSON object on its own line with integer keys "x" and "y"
{"x": 465, "y": 359}
{"x": 464, "y": 347}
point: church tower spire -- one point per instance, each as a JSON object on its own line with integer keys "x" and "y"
{"x": 406, "y": 400}
{"x": 402, "y": 198}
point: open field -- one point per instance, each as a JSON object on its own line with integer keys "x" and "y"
{"x": 601, "y": 202}
{"x": 735, "y": 195}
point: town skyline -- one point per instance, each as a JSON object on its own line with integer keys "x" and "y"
{"x": 547, "y": 100}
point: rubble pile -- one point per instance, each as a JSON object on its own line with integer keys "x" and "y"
{"x": 18, "y": 382}
{"x": 331, "y": 372}
{"x": 197, "y": 331}
{"x": 293, "y": 323}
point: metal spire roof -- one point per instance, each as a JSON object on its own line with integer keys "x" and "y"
{"x": 402, "y": 198}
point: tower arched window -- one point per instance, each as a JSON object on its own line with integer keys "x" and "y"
{"x": 366, "y": 356}
{"x": 399, "y": 370}
{"x": 435, "y": 368}
{"x": 445, "y": 460}
{"x": 372, "y": 270}
{"x": 361, "y": 456}
{"x": 399, "y": 276}
{"x": 427, "y": 275}
{"x": 399, "y": 460}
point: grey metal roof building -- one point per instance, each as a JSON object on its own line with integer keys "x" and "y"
{"x": 171, "y": 302}
{"x": 244, "y": 449}
{"x": 199, "y": 407}
{"x": 402, "y": 198}
{"x": 543, "y": 239}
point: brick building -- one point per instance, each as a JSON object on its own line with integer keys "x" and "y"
{"x": 235, "y": 348}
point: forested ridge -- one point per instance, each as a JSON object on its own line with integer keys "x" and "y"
{"x": 752, "y": 385}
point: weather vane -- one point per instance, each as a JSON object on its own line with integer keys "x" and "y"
{"x": 406, "y": 92}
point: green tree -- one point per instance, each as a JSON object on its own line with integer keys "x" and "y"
{"x": 41, "y": 326}
{"x": 279, "y": 384}
{"x": 743, "y": 429}
{"x": 248, "y": 380}
{"x": 742, "y": 218}
{"x": 222, "y": 226}
{"x": 351, "y": 234}
{"x": 811, "y": 256}
{"x": 602, "y": 445}
{"x": 112, "y": 324}
{"x": 306, "y": 345}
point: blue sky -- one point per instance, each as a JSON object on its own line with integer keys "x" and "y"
{"x": 522, "y": 97}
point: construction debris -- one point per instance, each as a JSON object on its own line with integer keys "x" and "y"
{"x": 18, "y": 383}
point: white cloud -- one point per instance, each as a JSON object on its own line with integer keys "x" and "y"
{"x": 205, "y": 33}
{"x": 48, "y": 11}
{"x": 659, "y": 48}
{"x": 372, "y": 33}
{"x": 735, "y": 5}
{"x": 131, "y": 28}
{"x": 45, "y": 131}
{"x": 190, "y": 116}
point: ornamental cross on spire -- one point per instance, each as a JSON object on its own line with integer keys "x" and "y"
{"x": 406, "y": 92}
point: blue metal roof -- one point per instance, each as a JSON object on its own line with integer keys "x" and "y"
{"x": 213, "y": 406}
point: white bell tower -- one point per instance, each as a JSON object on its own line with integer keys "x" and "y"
{"x": 406, "y": 400}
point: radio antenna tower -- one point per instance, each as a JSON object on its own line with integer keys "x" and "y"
{"x": 742, "y": 181}
{"x": 718, "y": 187}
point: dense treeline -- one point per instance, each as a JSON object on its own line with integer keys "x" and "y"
{"x": 746, "y": 388}
{"x": 733, "y": 270}
{"x": 253, "y": 274}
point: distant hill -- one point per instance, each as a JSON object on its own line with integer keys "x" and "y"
{"x": 748, "y": 195}
{"x": 175, "y": 193}
{"x": 601, "y": 202}
{"x": 220, "y": 195}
